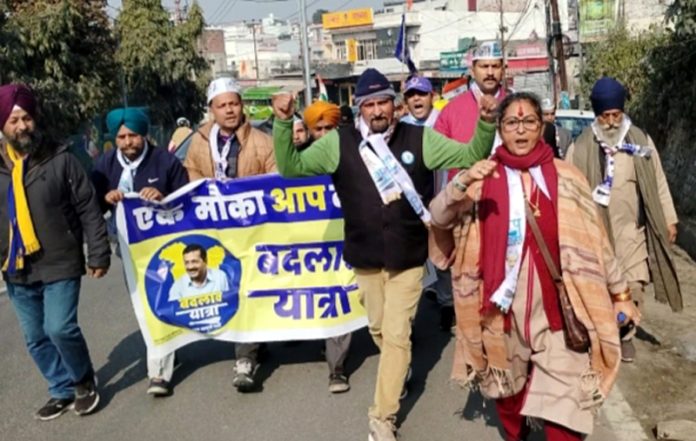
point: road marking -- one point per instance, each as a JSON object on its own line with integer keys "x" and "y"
{"x": 622, "y": 419}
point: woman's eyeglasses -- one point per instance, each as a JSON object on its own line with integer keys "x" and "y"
{"x": 512, "y": 124}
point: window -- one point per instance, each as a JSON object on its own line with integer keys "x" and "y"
{"x": 341, "y": 53}
{"x": 367, "y": 49}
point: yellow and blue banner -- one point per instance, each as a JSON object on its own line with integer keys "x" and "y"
{"x": 250, "y": 260}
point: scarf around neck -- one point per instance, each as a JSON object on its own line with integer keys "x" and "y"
{"x": 502, "y": 208}
{"x": 219, "y": 155}
{"x": 23, "y": 240}
{"x": 602, "y": 193}
{"x": 388, "y": 176}
{"x": 130, "y": 168}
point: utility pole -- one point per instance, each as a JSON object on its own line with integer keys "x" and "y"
{"x": 305, "y": 52}
{"x": 502, "y": 30}
{"x": 256, "y": 53}
{"x": 557, "y": 36}
{"x": 581, "y": 104}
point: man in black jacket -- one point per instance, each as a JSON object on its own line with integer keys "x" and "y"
{"x": 48, "y": 206}
{"x": 383, "y": 174}
{"x": 154, "y": 173}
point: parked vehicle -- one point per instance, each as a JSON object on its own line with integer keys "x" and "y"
{"x": 574, "y": 120}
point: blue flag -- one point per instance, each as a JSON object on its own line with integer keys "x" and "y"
{"x": 401, "y": 52}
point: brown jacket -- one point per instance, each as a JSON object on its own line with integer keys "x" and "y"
{"x": 255, "y": 155}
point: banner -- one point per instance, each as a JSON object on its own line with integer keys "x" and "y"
{"x": 347, "y": 19}
{"x": 248, "y": 260}
{"x": 597, "y": 17}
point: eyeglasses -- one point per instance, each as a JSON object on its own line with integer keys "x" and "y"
{"x": 512, "y": 124}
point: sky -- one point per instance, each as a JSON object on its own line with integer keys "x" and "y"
{"x": 222, "y": 11}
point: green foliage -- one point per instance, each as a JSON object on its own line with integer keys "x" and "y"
{"x": 624, "y": 56}
{"x": 62, "y": 49}
{"x": 161, "y": 65}
{"x": 682, "y": 13}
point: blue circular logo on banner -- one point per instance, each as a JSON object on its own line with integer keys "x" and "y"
{"x": 193, "y": 282}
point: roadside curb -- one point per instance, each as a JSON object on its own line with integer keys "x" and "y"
{"x": 622, "y": 419}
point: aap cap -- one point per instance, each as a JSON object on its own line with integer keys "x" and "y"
{"x": 223, "y": 85}
{"x": 420, "y": 84}
{"x": 489, "y": 50}
{"x": 547, "y": 104}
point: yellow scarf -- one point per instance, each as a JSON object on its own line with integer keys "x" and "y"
{"x": 23, "y": 240}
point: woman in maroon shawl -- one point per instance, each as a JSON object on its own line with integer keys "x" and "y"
{"x": 510, "y": 328}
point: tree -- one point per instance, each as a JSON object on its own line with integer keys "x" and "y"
{"x": 62, "y": 49}
{"x": 623, "y": 56}
{"x": 683, "y": 14}
{"x": 161, "y": 64}
{"x": 316, "y": 17}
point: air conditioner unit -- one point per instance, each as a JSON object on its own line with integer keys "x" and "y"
{"x": 413, "y": 38}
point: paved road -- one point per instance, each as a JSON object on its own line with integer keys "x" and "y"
{"x": 293, "y": 406}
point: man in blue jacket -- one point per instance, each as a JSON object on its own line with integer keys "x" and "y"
{"x": 152, "y": 172}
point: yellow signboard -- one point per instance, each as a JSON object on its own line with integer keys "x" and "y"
{"x": 352, "y": 50}
{"x": 345, "y": 19}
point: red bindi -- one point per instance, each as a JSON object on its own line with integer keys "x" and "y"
{"x": 520, "y": 111}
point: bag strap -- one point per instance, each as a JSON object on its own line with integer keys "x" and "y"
{"x": 542, "y": 245}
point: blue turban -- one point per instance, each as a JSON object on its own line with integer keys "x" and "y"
{"x": 607, "y": 94}
{"x": 131, "y": 117}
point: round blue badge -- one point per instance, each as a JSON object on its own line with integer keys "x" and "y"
{"x": 407, "y": 157}
{"x": 193, "y": 282}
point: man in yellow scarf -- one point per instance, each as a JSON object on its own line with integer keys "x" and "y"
{"x": 47, "y": 206}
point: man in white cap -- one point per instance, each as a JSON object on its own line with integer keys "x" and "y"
{"x": 229, "y": 147}
{"x": 458, "y": 121}
{"x": 560, "y": 137}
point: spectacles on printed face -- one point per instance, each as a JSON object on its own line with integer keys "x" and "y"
{"x": 512, "y": 124}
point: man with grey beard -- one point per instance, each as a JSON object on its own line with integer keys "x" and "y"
{"x": 47, "y": 207}
{"x": 631, "y": 193}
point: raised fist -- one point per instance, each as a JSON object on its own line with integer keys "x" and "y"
{"x": 283, "y": 105}
{"x": 487, "y": 108}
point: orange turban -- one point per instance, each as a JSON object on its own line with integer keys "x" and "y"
{"x": 321, "y": 110}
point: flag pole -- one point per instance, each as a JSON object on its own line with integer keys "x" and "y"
{"x": 403, "y": 45}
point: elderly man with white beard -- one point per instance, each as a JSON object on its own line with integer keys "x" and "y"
{"x": 631, "y": 192}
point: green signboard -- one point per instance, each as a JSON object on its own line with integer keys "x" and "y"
{"x": 596, "y": 18}
{"x": 453, "y": 61}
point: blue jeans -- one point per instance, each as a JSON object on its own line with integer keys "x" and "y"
{"x": 47, "y": 314}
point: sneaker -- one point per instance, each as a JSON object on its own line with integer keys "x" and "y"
{"x": 338, "y": 383}
{"x": 86, "y": 397}
{"x": 54, "y": 408}
{"x": 628, "y": 351}
{"x": 244, "y": 375}
{"x": 381, "y": 430}
{"x": 158, "y": 388}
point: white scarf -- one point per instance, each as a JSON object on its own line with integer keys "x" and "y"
{"x": 602, "y": 193}
{"x": 125, "y": 182}
{"x": 505, "y": 293}
{"x": 386, "y": 172}
{"x": 219, "y": 158}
